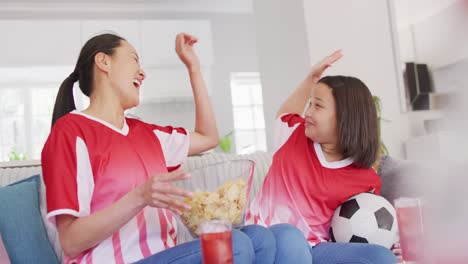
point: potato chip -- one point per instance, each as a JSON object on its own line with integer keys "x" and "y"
{"x": 227, "y": 202}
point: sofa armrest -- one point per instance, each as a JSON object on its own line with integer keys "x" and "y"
{"x": 401, "y": 178}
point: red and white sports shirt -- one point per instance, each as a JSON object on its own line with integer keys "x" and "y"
{"x": 88, "y": 164}
{"x": 304, "y": 189}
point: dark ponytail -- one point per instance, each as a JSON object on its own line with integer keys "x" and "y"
{"x": 64, "y": 102}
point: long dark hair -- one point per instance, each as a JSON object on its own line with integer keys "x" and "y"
{"x": 358, "y": 134}
{"x": 83, "y": 72}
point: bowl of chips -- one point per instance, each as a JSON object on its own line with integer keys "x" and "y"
{"x": 220, "y": 191}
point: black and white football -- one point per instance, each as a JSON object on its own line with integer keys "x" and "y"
{"x": 365, "y": 218}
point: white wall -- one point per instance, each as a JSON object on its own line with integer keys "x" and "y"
{"x": 292, "y": 36}
{"x": 233, "y": 44}
{"x": 437, "y": 39}
{"x": 363, "y": 30}
{"x": 234, "y": 41}
{"x": 441, "y": 39}
{"x": 433, "y": 33}
{"x": 234, "y": 47}
{"x": 287, "y": 38}
{"x": 406, "y": 44}
{"x": 283, "y": 55}
{"x": 431, "y": 25}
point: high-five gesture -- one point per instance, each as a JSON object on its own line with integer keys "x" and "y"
{"x": 319, "y": 68}
{"x": 298, "y": 99}
{"x": 184, "y": 48}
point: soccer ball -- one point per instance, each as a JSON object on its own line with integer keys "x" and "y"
{"x": 365, "y": 218}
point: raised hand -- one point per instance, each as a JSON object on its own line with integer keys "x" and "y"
{"x": 184, "y": 49}
{"x": 319, "y": 68}
{"x": 298, "y": 99}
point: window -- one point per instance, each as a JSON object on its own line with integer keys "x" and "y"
{"x": 11, "y": 122}
{"x": 27, "y": 97}
{"x": 249, "y": 122}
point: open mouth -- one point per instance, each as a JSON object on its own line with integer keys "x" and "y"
{"x": 136, "y": 83}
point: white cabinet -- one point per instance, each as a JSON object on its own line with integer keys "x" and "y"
{"x": 128, "y": 29}
{"x": 167, "y": 77}
{"x": 39, "y": 42}
{"x": 158, "y": 41}
{"x": 44, "y": 43}
{"x": 169, "y": 83}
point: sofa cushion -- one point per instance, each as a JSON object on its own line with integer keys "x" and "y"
{"x": 401, "y": 178}
{"x": 21, "y": 225}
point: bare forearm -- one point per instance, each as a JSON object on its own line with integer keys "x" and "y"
{"x": 298, "y": 99}
{"x": 205, "y": 135}
{"x": 205, "y": 122}
{"x": 83, "y": 233}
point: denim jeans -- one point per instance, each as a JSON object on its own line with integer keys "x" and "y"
{"x": 356, "y": 253}
{"x": 251, "y": 244}
{"x": 292, "y": 247}
{"x": 281, "y": 243}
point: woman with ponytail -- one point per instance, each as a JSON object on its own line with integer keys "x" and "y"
{"x": 109, "y": 178}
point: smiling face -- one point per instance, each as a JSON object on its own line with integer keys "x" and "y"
{"x": 342, "y": 115}
{"x": 126, "y": 75}
{"x": 321, "y": 118}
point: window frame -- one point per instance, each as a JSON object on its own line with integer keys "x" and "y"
{"x": 252, "y": 80}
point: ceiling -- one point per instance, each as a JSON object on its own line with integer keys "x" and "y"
{"x": 31, "y": 8}
{"x": 409, "y": 12}
{"x": 406, "y": 11}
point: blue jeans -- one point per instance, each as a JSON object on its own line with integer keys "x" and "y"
{"x": 356, "y": 253}
{"x": 292, "y": 247}
{"x": 252, "y": 244}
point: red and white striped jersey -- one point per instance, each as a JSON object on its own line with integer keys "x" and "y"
{"x": 89, "y": 164}
{"x": 302, "y": 188}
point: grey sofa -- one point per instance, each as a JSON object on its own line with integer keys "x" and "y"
{"x": 394, "y": 175}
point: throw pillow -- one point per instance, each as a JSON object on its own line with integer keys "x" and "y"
{"x": 21, "y": 225}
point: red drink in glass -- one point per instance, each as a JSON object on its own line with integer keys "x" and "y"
{"x": 216, "y": 241}
{"x": 217, "y": 248}
{"x": 410, "y": 225}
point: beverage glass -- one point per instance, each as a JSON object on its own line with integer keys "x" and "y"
{"x": 411, "y": 230}
{"x": 216, "y": 241}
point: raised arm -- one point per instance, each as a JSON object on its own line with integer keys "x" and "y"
{"x": 298, "y": 99}
{"x": 205, "y": 135}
